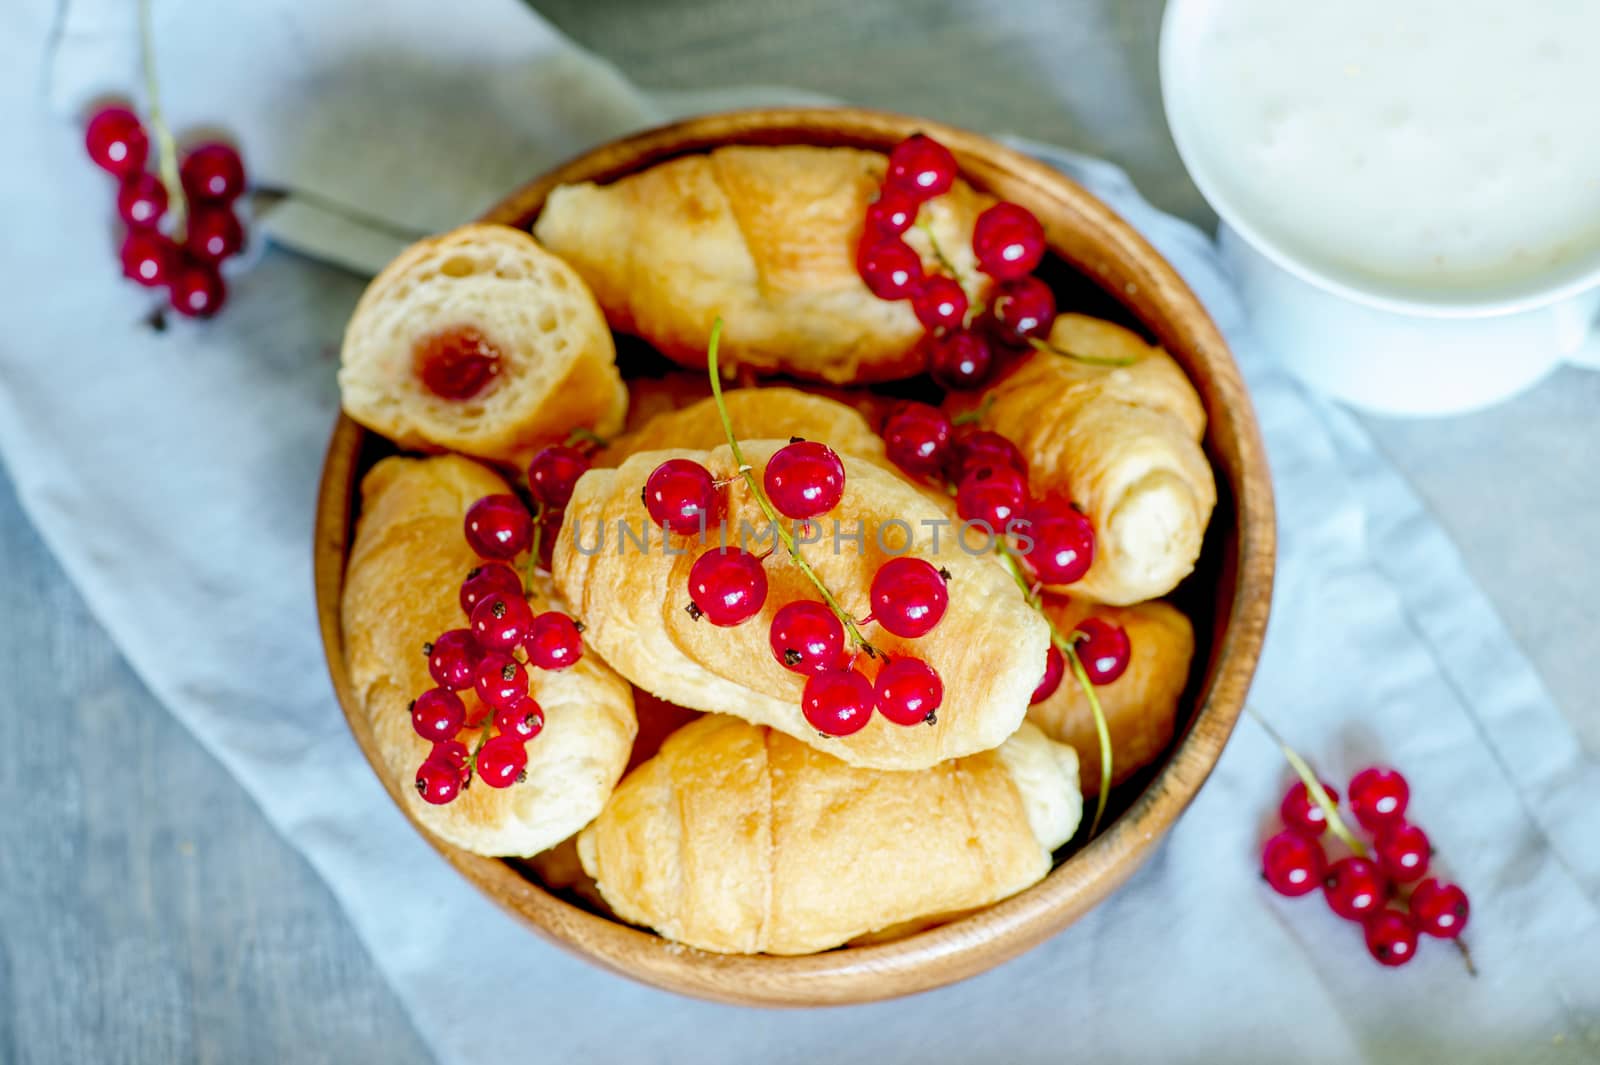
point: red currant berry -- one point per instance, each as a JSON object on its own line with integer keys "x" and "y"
{"x": 498, "y": 526}
{"x": 141, "y": 200}
{"x": 554, "y": 641}
{"x": 889, "y": 267}
{"x": 960, "y": 361}
{"x": 1440, "y": 909}
{"x": 148, "y": 257}
{"x": 680, "y": 496}
{"x": 1292, "y": 864}
{"x": 197, "y": 290}
{"x": 1302, "y": 814}
{"x": 501, "y": 761}
{"x": 908, "y": 596}
{"x": 438, "y": 714}
{"x": 908, "y": 691}
{"x": 501, "y": 680}
{"x": 491, "y": 578}
{"x": 456, "y": 363}
{"x": 982, "y": 447}
{"x": 554, "y": 472}
{"x": 1378, "y": 796}
{"x": 804, "y": 479}
{"x": 1022, "y": 309}
{"x": 727, "y": 586}
{"x": 806, "y": 637}
{"x": 1403, "y": 851}
{"x": 214, "y": 234}
{"x": 500, "y": 622}
{"x": 1062, "y": 548}
{"x": 992, "y": 495}
{"x": 921, "y": 167}
{"x": 1355, "y": 888}
{"x": 917, "y": 438}
{"x": 1103, "y": 649}
{"x": 212, "y": 172}
{"x": 452, "y": 753}
{"x": 1055, "y": 666}
{"x": 1008, "y": 241}
{"x": 1391, "y": 937}
{"x": 891, "y": 214}
{"x": 941, "y": 303}
{"x": 117, "y": 142}
{"x": 438, "y": 782}
{"x": 453, "y": 660}
{"x": 838, "y": 702}
{"x": 522, "y": 720}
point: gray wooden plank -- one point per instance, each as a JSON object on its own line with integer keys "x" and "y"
{"x": 148, "y": 913}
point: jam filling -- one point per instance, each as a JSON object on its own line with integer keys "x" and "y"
{"x": 456, "y": 363}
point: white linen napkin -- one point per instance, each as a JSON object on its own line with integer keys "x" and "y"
{"x": 174, "y": 476}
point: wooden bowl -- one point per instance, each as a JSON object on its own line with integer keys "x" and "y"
{"x": 1227, "y": 597}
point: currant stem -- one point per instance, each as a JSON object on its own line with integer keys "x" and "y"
{"x": 1087, "y": 360}
{"x": 1102, "y": 730}
{"x": 583, "y": 434}
{"x": 977, "y": 414}
{"x": 926, "y": 226}
{"x": 767, "y": 508}
{"x": 1313, "y": 785}
{"x": 531, "y": 566}
{"x": 1466, "y": 957}
{"x": 166, "y": 149}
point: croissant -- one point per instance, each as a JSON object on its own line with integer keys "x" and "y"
{"x": 405, "y": 570}
{"x": 482, "y": 342}
{"x": 754, "y": 412}
{"x": 1141, "y": 706}
{"x": 1116, "y": 427}
{"x": 766, "y": 238}
{"x": 630, "y": 588}
{"x": 737, "y": 839}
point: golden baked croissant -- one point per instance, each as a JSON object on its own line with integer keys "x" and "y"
{"x": 755, "y": 412}
{"x": 986, "y": 649}
{"x": 1141, "y": 706}
{"x": 482, "y": 342}
{"x": 737, "y": 839}
{"x": 406, "y": 567}
{"x": 766, "y": 238}
{"x": 1120, "y": 436}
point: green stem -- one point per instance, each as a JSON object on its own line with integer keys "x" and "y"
{"x": 531, "y": 566}
{"x": 1087, "y": 360}
{"x": 938, "y": 253}
{"x": 582, "y": 433}
{"x": 765, "y": 504}
{"x": 974, "y": 308}
{"x": 1313, "y": 785}
{"x": 1065, "y": 646}
{"x": 166, "y": 149}
{"x": 977, "y": 414}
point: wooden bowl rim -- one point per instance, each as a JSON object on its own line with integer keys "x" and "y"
{"x": 979, "y": 941}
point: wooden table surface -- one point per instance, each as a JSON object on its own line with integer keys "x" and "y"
{"x": 147, "y": 911}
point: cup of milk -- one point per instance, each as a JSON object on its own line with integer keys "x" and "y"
{"x": 1409, "y": 189}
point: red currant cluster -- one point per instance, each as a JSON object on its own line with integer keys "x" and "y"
{"x": 1008, "y": 242}
{"x": 1358, "y": 887}
{"x": 503, "y": 638}
{"x": 186, "y": 260}
{"x": 728, "y": 586}
{"x": 1051, "y": 539}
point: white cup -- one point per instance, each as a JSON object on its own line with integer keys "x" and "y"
{"x": 1378, "y": 349}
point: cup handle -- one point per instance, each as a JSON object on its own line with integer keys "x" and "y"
{"x": 1583, "y": 324}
